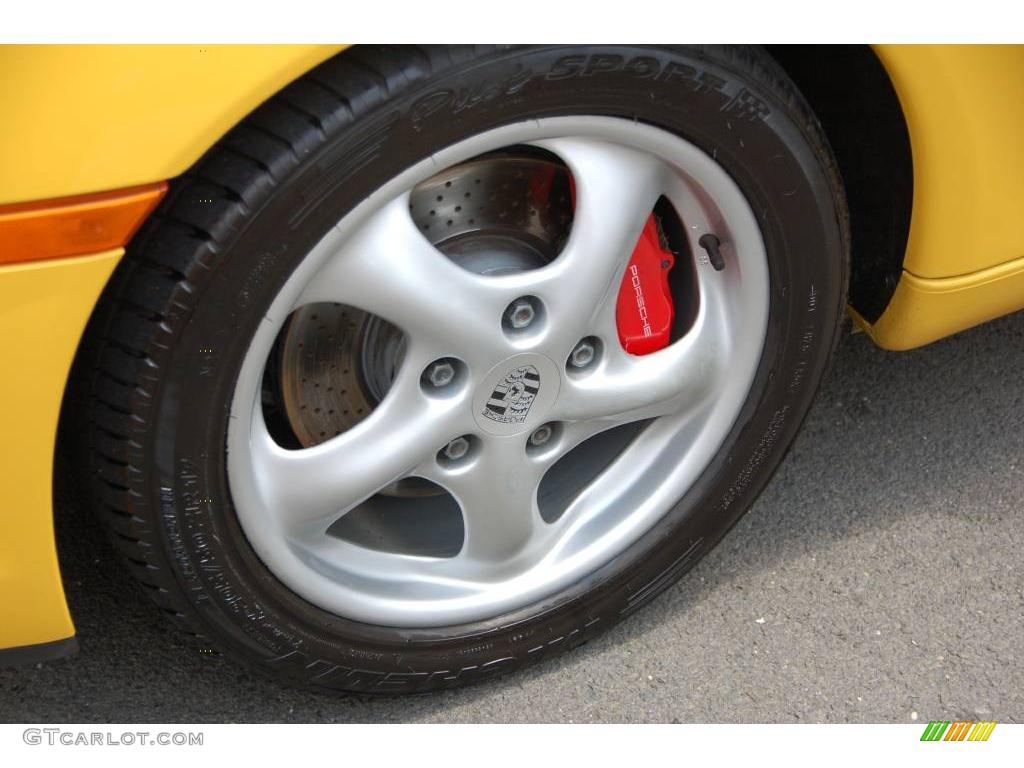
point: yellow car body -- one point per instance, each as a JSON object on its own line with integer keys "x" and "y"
{"x": 80, "y": 120}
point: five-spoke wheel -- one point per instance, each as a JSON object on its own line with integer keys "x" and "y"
{"x": 502, "y": 375}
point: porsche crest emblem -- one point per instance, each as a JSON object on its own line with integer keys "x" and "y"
{"x": 511, "y": 399}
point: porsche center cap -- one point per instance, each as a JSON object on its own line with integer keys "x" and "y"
{"x": 516, "y": 394}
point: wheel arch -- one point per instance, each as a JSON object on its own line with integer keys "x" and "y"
{"x": 851, "y": 93}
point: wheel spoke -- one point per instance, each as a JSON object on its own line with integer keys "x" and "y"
{"x": 389, "y": 268}
{"x": 307, "y": 489}
{"x": 616, "y": 190}
{"x": 497, "y": 492}
{"x": 627, "y": 388}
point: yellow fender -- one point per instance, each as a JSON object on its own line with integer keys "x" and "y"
{"x": 82, "y": 119}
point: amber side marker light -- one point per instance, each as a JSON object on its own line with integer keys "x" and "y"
{"x": 74, "y": 226}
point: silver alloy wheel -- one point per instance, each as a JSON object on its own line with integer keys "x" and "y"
{"x": 377, "y": 260}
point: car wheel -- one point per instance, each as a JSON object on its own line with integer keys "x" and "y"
{"x": 446, "y": 359}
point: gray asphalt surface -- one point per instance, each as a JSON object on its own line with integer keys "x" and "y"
{"x": 880, "y": 578}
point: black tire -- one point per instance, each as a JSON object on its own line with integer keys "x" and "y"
{"x": 202, "y": 270}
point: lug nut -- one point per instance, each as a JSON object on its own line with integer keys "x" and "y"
{"x": 440, "y": 373}
{"x": 456, "y": 449}
{"x": 584, "y": 354}
{"x": 541, "y": 435}
{"x": 521, "y": 313}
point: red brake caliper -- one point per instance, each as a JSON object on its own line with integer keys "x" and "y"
{"x": 644, "y": 312}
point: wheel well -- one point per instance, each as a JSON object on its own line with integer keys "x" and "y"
{"x": 851, "y": 93}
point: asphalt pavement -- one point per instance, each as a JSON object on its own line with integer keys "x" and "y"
{"x": 879, "y": 578}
